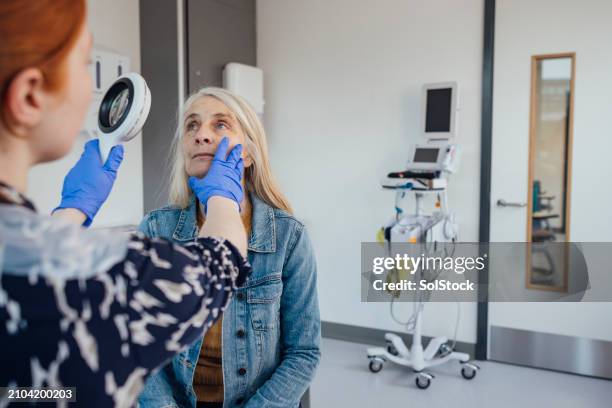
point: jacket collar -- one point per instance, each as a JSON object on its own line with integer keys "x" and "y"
{"x": 263, "y": 227}
{"x": 8, "y": 195}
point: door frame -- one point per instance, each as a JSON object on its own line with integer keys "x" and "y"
{"x": 486, "y": 140}
{"x": 533, "y": 101}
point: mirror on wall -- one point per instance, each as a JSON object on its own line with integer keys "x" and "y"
{"x": 552, "y": 92}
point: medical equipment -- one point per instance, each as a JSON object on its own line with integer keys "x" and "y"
{"x": 440, "y": 113}
{"x": 428, "y": 168}
{"x": 123, "y": 111}
{"x": 106, "y": 66}
{"x": 425, "y": 175}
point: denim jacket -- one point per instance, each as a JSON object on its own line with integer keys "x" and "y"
{"x": 271, "y": 328}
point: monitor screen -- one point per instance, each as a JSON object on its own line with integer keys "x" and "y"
{"x": 438, "y": 114}
{"x": 426, "y": 155}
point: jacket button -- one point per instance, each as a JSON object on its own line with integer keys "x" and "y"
{"x": 240, "y": 296}
{"x": 239, "y": 401}
{"x": 242, "y": 371}
{"x": 240, "y": 333}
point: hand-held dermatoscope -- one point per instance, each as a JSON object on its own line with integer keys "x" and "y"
{"x": 123, "y": 111}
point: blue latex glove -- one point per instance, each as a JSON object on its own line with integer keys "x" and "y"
{"x": 88, "y": 184}
{"x": 224, "y": 177}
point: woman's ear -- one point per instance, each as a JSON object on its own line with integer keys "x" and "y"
{"x": 247, "y": 160}
{"x": 25, "y": 99}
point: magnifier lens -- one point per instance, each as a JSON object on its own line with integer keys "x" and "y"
{"x": 118, "y": 107}
{"x": 123, "y": 111}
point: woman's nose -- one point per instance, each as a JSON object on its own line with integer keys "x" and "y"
{"x": 203, "y": 138}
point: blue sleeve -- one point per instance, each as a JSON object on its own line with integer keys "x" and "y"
{"x": 146, "y": 225}
{"x": 300, "y": 328}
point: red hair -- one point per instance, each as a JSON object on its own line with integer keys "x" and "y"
{"x": 40, "y": 34}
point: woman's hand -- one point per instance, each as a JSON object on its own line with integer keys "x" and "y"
{"x": 88, "y": 184}
{"x": 220, "y": 191}
{"x": 224, "y": 177}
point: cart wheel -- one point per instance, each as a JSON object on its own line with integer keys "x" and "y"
{"x": 468, "y": 372}
{"x": 375, "y": 365}
{"x": 392, "y": 350}
{"x": 422, "y": 382}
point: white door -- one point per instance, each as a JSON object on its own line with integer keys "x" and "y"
{"x": 575, "y": 337}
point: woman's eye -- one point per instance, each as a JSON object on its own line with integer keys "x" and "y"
{"x": 191, "y": 126}
{"x": 221, "y": 125}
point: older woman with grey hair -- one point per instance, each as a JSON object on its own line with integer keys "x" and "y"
{"x": 264, "y": 351}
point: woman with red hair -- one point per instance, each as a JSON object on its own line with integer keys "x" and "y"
{"x": 82, "y": 308}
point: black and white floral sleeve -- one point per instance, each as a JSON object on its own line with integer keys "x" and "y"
{"x": 100, "y": 311}
{"x": 176, "y": 292}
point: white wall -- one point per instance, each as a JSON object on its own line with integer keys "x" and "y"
{"x": 115, "y": 25}
{"x": 342, "y": 90}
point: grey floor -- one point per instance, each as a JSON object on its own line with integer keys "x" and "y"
{"x": 343, "y": 380}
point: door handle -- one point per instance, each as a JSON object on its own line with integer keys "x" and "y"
{"x": 503, "y": 203}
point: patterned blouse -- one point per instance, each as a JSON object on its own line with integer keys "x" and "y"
{"x": 97, "y": 310}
